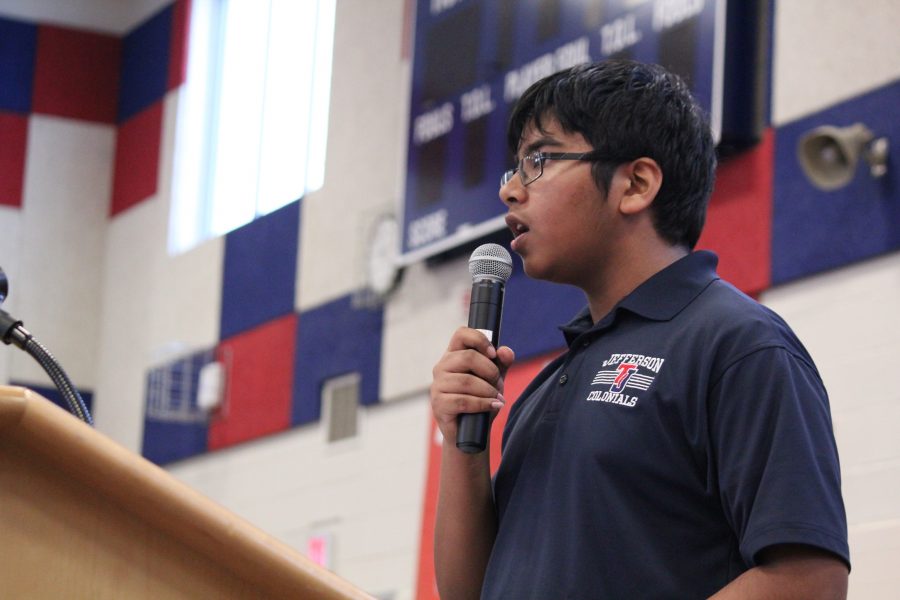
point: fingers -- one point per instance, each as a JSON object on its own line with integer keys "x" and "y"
{"x": 470, "y": 352}
{"x": 468, "y": 378}
{"x": 467, "y": 362}
{"x": 448, "y": 407}
{"x": 453, "y": 392}
{"x": 506, "y": 357}
{"x": 468, "y": 338}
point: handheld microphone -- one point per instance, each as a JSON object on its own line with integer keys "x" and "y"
{"x": 490, "y": 266}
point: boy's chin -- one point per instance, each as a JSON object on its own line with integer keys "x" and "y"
{"x": 536, "y": 269}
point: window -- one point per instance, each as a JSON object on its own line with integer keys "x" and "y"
{"x": 253, "y": 115}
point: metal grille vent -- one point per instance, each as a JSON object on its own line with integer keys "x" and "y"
{"x": 172, "y": 389}
{"x": 340, "y": 401}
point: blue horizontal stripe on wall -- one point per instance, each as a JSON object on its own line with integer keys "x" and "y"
{"x": 145, "y": 64}
{"x": 166, "y": 442}
{"x": 55, "y": 396}
{"x": 18, "y": 49}
{"x": 174, "y": 427}
{"x": 815, "y": 230}
{"x": 260, "y": 270}
{"x": 335, "y": 339}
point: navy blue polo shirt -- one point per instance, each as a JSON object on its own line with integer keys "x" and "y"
{"x": 679, "y": 436}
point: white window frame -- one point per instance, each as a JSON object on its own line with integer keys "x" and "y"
{"x": 252, "y": 119}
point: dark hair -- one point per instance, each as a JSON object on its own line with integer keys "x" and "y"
{"x": 627, "y": 110}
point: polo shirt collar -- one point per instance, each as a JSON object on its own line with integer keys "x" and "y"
{"x": 661, "y": 297}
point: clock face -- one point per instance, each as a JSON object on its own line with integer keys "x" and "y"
{"x": 384, "y": 249}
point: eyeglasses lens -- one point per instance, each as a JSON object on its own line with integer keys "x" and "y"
{"x": 531, "y": 166}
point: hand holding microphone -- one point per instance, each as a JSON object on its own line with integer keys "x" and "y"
{"x": 490, "y": 266}
{"x": 468, "y": 377}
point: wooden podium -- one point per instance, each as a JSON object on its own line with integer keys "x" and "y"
{"x": 81, "y": 517}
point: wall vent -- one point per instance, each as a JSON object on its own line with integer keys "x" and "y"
{"x": 340, "y": 406}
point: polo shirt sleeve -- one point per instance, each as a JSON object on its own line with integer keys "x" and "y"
{"x": 774, "y": 454}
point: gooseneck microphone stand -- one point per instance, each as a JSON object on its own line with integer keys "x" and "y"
{"x": 12, "y": 332}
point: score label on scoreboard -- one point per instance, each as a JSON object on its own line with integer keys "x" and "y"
{"x": 474, "y": 58}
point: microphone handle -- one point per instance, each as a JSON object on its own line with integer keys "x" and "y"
{"x": 485, "y": 309}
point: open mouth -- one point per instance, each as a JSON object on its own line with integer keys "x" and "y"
{"x": 519, "y": 229}
{"x": 516, "y": 227}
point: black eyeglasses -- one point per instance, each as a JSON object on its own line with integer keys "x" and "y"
{"x": 531, "y": 166}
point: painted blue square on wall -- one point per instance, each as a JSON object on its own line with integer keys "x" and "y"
{"x": 175, "y": 427}
{"x": 815, "y": 230}
{"x": 260, "y": 271}
{"x": 336, "y": 339}
{"x": 145, "y": 64}
{"x": 18, "y": 48}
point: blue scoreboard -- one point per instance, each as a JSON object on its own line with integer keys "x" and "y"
{"x": 473, "y": 59}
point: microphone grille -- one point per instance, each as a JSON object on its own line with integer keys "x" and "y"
{"x": 490, "y": 261}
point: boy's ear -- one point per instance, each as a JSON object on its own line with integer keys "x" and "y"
{"x": 644, "y": 178}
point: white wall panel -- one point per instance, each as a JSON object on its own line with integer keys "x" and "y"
{"x": 366, "y": 146}
{"x": 10, "y": 256}
{"x": 826, "y": 51}
{"x": 876, "y": 547}
{"x": 430, "y": 304}
{"x": 871, "y": 491}
{"x": 870, "y": 431}
{"x": 187, "y": 298}
{"x": 135, "y": 256}
{"x": 68, "y": 174}
{"x": 848, "y": 320}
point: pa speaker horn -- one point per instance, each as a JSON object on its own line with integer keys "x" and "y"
{"x": 829, "y": 155}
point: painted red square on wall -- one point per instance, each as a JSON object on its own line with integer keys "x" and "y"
{"x": 76, "y": 74}
{"x": 739, "y": 220}
{"x": 137, "y": 159}
{"x": 259, "y": 366}
{"x": 13, "y": 142}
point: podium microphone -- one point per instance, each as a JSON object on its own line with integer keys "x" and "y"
{"x": 13, "y": 333}
{"x": 490, "y": 266}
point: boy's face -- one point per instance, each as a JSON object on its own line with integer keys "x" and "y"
{"x": 563, "y": 225}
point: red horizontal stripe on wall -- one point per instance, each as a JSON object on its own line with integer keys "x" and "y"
{"x": 77, "y": 74}
{"x": 739, "y": 219}
{"x": 137, "y": 158}
{"x": 13, "y": 141}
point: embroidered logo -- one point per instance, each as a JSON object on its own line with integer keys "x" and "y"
{"x": 621, "y": 373}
